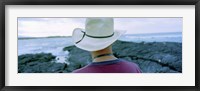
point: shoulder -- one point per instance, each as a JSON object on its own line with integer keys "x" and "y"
{"x": 82, "y": 70}
{"x": 131, "y": 65}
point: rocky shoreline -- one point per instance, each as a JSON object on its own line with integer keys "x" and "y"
{"x": 152, "y": 57}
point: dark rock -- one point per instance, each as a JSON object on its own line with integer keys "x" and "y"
{"x": 78, "y": 58}
{"x": 39, "y": 63}
{"x": 42, "y": 57}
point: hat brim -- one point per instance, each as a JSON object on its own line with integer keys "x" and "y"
{"x": 94, "y": 44}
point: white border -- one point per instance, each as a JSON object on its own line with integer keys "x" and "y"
{"x": 187, "y": 78}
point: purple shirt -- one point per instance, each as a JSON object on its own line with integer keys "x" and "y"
{"x": 112, "y": 66}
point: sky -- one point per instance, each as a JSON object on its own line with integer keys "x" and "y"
{"x": 43, "y": 27}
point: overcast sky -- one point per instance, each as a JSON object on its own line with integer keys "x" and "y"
{"x": 43, "y": 27}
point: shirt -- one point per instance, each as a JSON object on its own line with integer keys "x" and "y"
{"x": 111, "y": 66}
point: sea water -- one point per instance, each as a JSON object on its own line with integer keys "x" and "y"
{"x": 56, "y": 45}
{"x": 153, "y": 37}
{"x": 45, "y": 45}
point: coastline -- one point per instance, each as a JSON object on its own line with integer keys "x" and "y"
{"x": 151, "y": 57}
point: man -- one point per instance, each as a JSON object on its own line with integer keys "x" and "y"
{"x": 97, "y": 38}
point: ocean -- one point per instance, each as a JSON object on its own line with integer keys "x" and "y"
{"x": 55, "y": 45}
{"x": 153, "y": 37}
{"x": 45, "y": 45}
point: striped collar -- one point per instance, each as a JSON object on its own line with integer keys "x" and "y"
{"x": 106, "y": 62}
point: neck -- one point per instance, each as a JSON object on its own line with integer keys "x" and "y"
{"x": 107, "y": 50}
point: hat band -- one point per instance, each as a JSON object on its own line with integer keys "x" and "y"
{"x": 84, "y": 34}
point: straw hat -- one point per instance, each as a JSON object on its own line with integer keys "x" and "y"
{"x": 98, "y": 34}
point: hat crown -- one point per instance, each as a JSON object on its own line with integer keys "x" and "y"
{"x": 99, "y": 26}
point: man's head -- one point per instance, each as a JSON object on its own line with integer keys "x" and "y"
{"x": 103, "y": 51}
{"x": 98, "y": 35}
{"x": 103, "y": 55}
